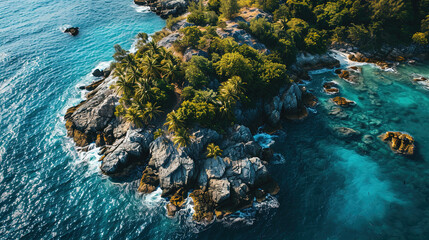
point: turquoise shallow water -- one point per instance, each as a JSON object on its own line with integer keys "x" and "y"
{"x": 331, "y": 189}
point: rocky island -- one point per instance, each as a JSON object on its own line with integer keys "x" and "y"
{"x": 186, "y": 105}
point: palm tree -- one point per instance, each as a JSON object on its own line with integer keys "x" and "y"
{"x": 227, "y": 92}
{"x": 129, "y": 61}
{"x": 181, "y": 138}
{"x": 153, "y": 47}
{"x": 174, "y": 122}
{"x": 213, "y": 151}
{"x": 237, "y": 85}
{"x": 151, "y": 111}
{"x": 135, "y": 116}
{"x": 151, "y": 67}
{"x": 143, "y": 92}
{"x": 133, "y": 74}
{"x": 143, "y": 37}
{"x": 123, "y": 86}
{"x": 158, "y": 133}
{"x": 225, "y": 108}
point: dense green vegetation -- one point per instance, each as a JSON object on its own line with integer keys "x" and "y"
{"x": 209, "y": 88}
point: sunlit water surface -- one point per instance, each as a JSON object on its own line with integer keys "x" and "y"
{"x": 331, "y": 189}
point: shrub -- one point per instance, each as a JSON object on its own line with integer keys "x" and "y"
{"x": 171, "y": 21}
{"x": 195, "y": 76}
{"x": 228, "y": 8}
{"x": 420, "y": 38}
{"x": 191, "y": 36}
{"x": 234, "y": 64}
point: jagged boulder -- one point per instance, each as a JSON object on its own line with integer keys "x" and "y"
{"x": 149, "y": 181}
{"x": 211, "y": 168}
{"x": 132, "y": 149}
{"x": 168, "y": 41}
{"x": 88, "y": 119}
{"x": 220, "y": 190}
{"x": 175, "y": 168}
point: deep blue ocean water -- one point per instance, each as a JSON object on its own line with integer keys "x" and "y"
{"x": 331, "y": 189}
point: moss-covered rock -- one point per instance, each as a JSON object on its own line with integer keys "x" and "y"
{"x": 399, "y": 142}
{"x": 203, "y": 205}
{"x": 341, "y": 101}
{"x": 149, "y": 181}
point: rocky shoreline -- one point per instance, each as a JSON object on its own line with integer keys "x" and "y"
{"x": 217, "y": 185}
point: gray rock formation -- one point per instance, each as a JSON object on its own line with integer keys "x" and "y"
{"x": 133, "y": 148}
{"x": 175, "y": 168}
{"x": 168, "y": 41}
{"x": 220, "y": 190}
{"x": 87, "y": 121}
{"x": 287, "y": 100}
{"x": 165, "y": 8}
{"x": 190, "y": 52}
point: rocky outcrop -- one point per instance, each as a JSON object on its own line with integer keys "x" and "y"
{"x": 168, "y": 41}
{"x": 181, "y": 24}
{"x": 288, "y": 102}
{"x": 359, "y": 57}
{"x": 74, "y": 31}
{"x": 165, "y": 8}
{"x": 133, "y": 148}
{"x": 227, "y": 183}
{"x": 310, "y": 62}
{"x": 399, "y": 142}
{"x": 240, "y": 36}
{"x": 94, "y": 118}
{"x": 175, "y": 168}
{"x": 190, "y": 52}
{"x": 250, "y": 13}
{"x": 351, "y": 75}
{"x": 344, "y": 102}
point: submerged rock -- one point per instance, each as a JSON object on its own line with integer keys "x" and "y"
{"x": 400, "y": 142}
{"x": 330, "y": 88}
{"x": 345, "y": 132}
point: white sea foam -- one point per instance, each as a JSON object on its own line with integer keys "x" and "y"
{"x": 141, "y": 9}
{"x": 248, "y": 216}
{"x": 153, "y": 199}
{"x": 265, "y": 140}
{"x": 89, "y": 158}
{"x": 3, "y": 57}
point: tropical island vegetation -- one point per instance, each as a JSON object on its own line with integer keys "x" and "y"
{"x": 187, "y": 90}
